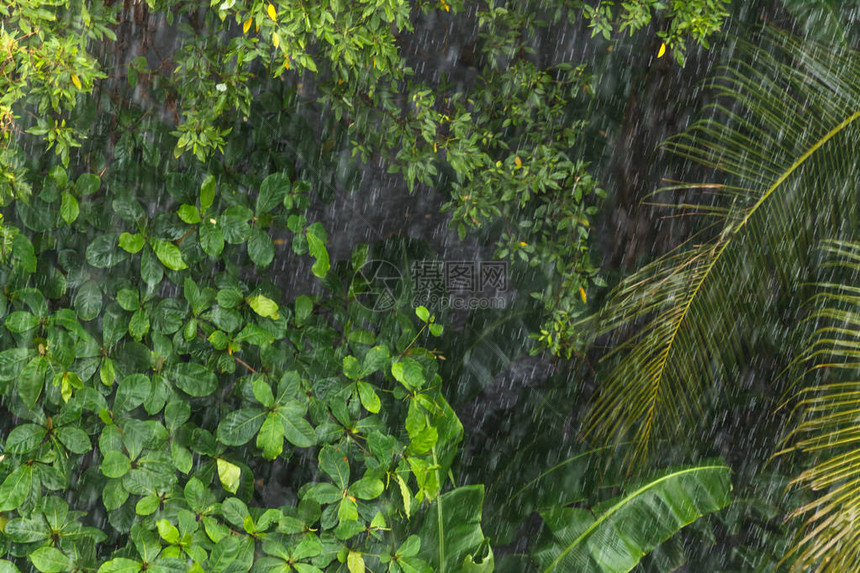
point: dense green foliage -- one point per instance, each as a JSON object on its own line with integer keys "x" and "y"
{"x": 167, "y": 406}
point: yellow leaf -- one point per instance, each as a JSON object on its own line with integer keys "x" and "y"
{"x": 523, "y": 244}
{"x": 286, "y": 62}
{"x": 518, "y": 161}
{"x": 662, "y": 50}
{"x": 229, "y": 475}
{"x": 276, "y": 40}
{"x": 273, "y": 14}
{"x": 246, "y": 26}
{"x": 77, "y": 81}
{"x": 582, "y": 295}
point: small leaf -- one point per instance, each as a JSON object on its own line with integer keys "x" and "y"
{"x": 317, "y": 249}
{"x": 264, "y": 306}
{"x": 131, "y": 243}
{"x": 169, "y": 254}
{"x": 50, "y": 560}
{"x": 229, "y": 475}
{"x": 422, "y": 313}
{"x": 69, "y": 208}
{"x": 189, "y": 214}
{"x": 16, "y": 487}
{"x": 273, "y": 14}
{"x": 207, "y": 193}
{"x": 192, "y": 378}
{"x": 409, "y": 373}
{"x": 369, "y": 398}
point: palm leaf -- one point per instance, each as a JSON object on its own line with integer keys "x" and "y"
{"x": 828, "y": 427}
{"x": 780, "y": 144}
{"x": 614, "y": 537}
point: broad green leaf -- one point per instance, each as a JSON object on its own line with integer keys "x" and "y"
{"x": 189, "y": 214}
{"x": 234, "y": 224}
{"x": 12, "y": 361}
{"x": 409, "y": 373}
{"x": 229, "y": 475}
{"x": 8, "y": 567}
{"x": 27, "y": 530}
{"x": 87, "y": 184}
{"x": 452, "y": 529}
{"x": 88, "y": 301}
{"x": 273, "y": 190}
{"x": 238, "y": 427}
{"x": 271, "y": 437}
{"x": 32, "y": 380}
{"x": 192, "y": 378}
{"x": 367, "y": 488}
{"x": 151, "y": 270}
{"x": 316, "y": 247}
{"x": 120, "y": 565}
{"x": 115, "y": 464}
{"x": 25, "y": 438}
{"x": 16, "y": 487}
{"x": 50, "y": 560}
{"x": 355, "y": 562}
{"x": 21, "y": 321}
{"x": 616, "y": 537}
{"x": 351, "y": 367}
{"x": 211, "y": 238}
{"x": 128, "y": 300}
{"x": 131, "y": 393}
{"x": 74, "y": 439}
{"x": 169, "y": 254}
{"x": 69, "y": 209}
{"x": 207, "y": 193}
{"x": 333, "y": 462}
{"x": 297, "y": 429}
{"x": 304, "y": 308}
{"x": 264, "y": 306}
{"x": 261, "y": 250}
{"x": 102, "y": 252}
{"x": 369, "y": 398}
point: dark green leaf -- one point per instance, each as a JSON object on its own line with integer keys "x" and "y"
{"x": 192, "y": 378}
{"x": 238, "y": 427}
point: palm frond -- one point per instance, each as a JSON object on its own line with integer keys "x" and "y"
{"x": 828, "y": 422}
{"x": 780, "y": 141}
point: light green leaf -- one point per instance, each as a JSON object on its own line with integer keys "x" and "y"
{"x": 50, "y": 560}
{"x": 69, "y": 208}
{"x": 264, "y": 306}
{"x": 189, "y": 214}
{"x": 409, "y": 373}
{"x": 16, "y": 487}
{"x": 616, "y": 538}
{"x": 169, "y": 254}
{"x": 115, "y": 464}
{"x": 271, "y": 437}
{"x": 229, "y": 475}
{"x": 317, "y": 249}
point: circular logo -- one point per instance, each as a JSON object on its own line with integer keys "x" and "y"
{"x": 376, "y": 284}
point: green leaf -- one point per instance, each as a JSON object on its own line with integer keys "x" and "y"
{"x": 261, "y": 250}
{"x": 32, "y": 380}
{"x": 351, "y": 367}
{"x": 297, "y": 429}
{"x": 334, "y": 463}
{"x": 12, "y": 361}
{"x": 316, "y": 246}
{"x": 115, "y": 464}
{"x": 21, "y": 321}
{"x": 88, "y": 301}
{"x": 25, "y": 438}
{"x": 120, "y": 565}
{"x": 192, "y": 378}
{"x": 271, "y": 437}
{"x": 264, "y": 306}
{"x": 8, "y": 567}
{"x": 234, "y": 224}
{"x": 616, "y": 538}
{"x": 452, "y": 529}
{"x": 131, "y": 393}
{"x": 128, "y": 300}
{"x": 304, "y": 308}
{"x": 50, "y": 560}
{"x": 369, "y": 398}
{"x": 189, "y": 214}
{"x": 102, "y": 252}
{"x": 211, "y": 238}
{"x": 409, "y": 373}
{"x": 367, "y": 488}
{"x": 169, "y": 254}
{"x": 355, "y": 562}
{"x": 27, "y": 530}
{"x": 74, "y": 439}
{"x": 422, "y": 313}
{"x": 238, "y": 427}
{"x": 87, "y": 184}
{"x": 151, "y": 270}
{"x": 229, "y": 475}
{"x": 207, "y": 193}
{"x": 273, "y": 190}
{"x": 69, "y": 209}
{"x": 16, "y": 487}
